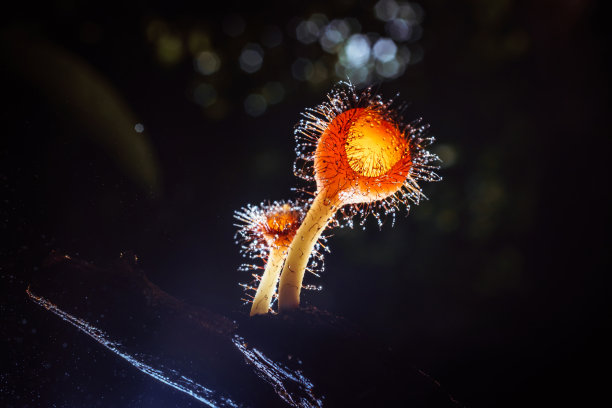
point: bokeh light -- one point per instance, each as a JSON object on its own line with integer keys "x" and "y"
{"x": 251, "y": 58}
{"x": 307, "y": 32}
{"x": 311, "y": 50}
{"x": 356, "y": 52}
{"x": 384, "y": 50}
{"x": 255, "y": 105}
{"x": 207, "y": 62}
{"x": 273, "y": 92}
{"x": 334, "y": 34}
{"x": 386, "y": 10}
{"x": 302, "y": 69}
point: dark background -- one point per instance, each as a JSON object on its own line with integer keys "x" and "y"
{"x": 497, "y": 286}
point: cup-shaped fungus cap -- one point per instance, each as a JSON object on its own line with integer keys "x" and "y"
{"x": 269, "y": 225}
{"x": 281, "y": 224}
{"x": 358, "y": 150}
{"x": 266, "y": 232}
{"x": 363, "y": 156}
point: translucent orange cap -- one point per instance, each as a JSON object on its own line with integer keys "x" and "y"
{"x": 268, "y": 225}
{"x": 362, "y": 156}
{"x": 358, "y": 150}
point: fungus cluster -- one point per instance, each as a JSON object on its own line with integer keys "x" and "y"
{"x": 363, "y": 160}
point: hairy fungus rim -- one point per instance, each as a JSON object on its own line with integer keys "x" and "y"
{"x": 383, "y": 197}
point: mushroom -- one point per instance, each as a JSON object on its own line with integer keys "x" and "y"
{"x": 363, "y": 159}
{"x": 265, "y": 232}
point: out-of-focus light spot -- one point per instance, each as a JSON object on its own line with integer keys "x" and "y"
{"x": 255, "y": 105}
{"x": 340, "y": 70}
{"x": 251, "y": 58}
{"x": 390, "y": 69}
{"x": 358, "y": 75}
{"x": 205, "y": 95}
{"x": 399, "y": 29}
{"x": 272, "y": 36}
{"x": 386, "y": 10}
{"x": 384, "y": 50}
{"x": 233, "y": 25}
{"x": 139, "y": 128}
{"x": 334, "y": 35}
{"x": 356, "y": 52}
{"x": 319, "y": 19}
{"x": 354, "y": 24}
{"x": 319, "y": 73}
{"x": 405, "y": 55}
{"x": 302, "y": 69}
{"x": 198, "y": 42}
{"x": 274, "y": 92}
{"x": 169, "y": 49}
{"x": 307, "y": 32}
{"x": 207, "y": 62}
{"x": 447, "y": 153}
{"x": 417, "y": 32}
{"x": 411, "y": 12}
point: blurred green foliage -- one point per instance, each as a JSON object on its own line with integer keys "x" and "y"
{"x": 83, "y": 98}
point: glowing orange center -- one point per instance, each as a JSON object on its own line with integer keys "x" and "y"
{"x": 373, "y": 145}
{"x": 362, "y": 157}
{"x": 281, "y": 226}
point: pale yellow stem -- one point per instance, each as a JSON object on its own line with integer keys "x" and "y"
{"x": 267, "y": 285}
{"x": 322, "y": 210}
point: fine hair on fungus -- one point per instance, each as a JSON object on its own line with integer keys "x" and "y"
{"x": 265, "y": 232}
{"x": 364, "y": 160}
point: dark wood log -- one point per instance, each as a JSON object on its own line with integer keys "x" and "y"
{"x": 308, "y": 357}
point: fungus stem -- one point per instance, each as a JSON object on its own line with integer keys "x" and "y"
{"x": 267, "y": 285}
{"x": 321, "y": 211}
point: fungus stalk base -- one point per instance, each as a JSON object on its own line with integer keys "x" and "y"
{"x": 322, "y": 210}
{"x": 267, "y": 285}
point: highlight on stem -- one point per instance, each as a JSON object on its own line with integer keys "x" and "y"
{"x": 364, "y": 160}
{"x": 265, "y": 232}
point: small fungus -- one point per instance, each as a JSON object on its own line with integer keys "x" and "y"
{"x": 265, "y": 232}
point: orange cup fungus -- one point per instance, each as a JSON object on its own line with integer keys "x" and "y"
{"x": 265, "y": 232}
{"x": 363, "y": 159}
{"x": 361, "y": 155}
